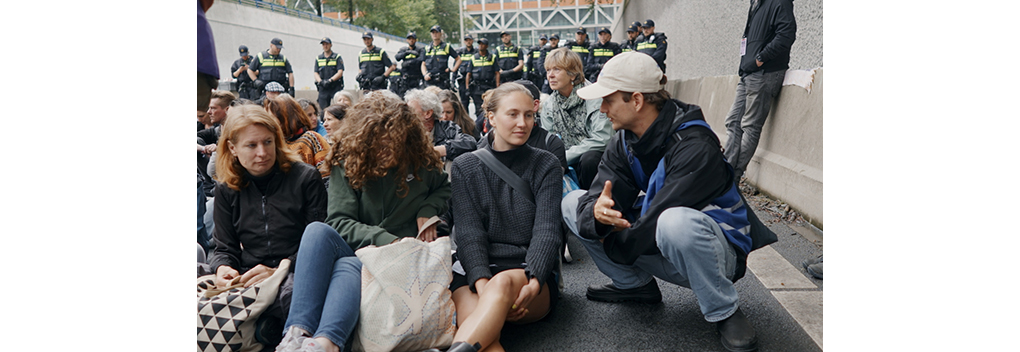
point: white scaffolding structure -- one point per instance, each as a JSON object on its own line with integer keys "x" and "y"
{"x": 530, "y": 19}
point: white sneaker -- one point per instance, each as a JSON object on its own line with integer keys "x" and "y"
{"x": 310, "y": 345}
{"x": 293, "y": 340}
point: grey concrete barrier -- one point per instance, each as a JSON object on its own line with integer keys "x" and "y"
{"x": 788, "y": 161}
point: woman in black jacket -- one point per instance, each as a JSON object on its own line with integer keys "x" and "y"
{"x": 264, "y": 199}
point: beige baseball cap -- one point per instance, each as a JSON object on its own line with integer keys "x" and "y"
{"x": 629, "y": 72}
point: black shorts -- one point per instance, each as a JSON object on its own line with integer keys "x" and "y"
{"x": 550, "y": 281}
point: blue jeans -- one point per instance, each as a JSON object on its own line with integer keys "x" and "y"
{"x": 694, "y": 254}
{"x": 327, "y": 285}
{"x": 747, "y": 115}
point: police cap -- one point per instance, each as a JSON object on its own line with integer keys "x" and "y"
{"x": 243, "y": 50}
{"x": 543, "y": 37}
{"x": 580, "y": 30}
{"x": 483, "y": 41}
{"x": 555, "y": 36}
{"x": 411, "y": 34}
{"x": 633, "y": 28}
{"x": 436, "y": 28}
{"x": 325, "y": 40}
{"x": 367, "y": 35}
{"x": 648, "y": 23}
{"x": 468, "y": 36}
{"x": 278, "y": 42}
{"x": 604, "y": 30}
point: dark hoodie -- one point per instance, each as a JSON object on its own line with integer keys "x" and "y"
{"x": 770, "y": 32}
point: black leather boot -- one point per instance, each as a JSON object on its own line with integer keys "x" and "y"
{"x": 737, "y": 333}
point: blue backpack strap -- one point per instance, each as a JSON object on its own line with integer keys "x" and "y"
{"x": 651, "y": 185}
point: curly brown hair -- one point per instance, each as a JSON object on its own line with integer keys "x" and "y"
{"x": 381, "y": 133}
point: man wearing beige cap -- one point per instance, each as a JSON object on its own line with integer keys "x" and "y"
{"x": 690, "y": 228}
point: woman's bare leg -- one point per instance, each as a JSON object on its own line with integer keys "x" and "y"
{"x": 483, "y": 321}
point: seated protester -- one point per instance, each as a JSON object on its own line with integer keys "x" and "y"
{"x": 309, "y": 145}
{"x": 539, "y": 138}
{"x": 584, "y": 129}
{"x": 386, "y": 180}
{"x": 331, "y": 120}
{"x": 273, "y": 90}
{"x": 251, "y": 239}
{"x": 312, "y": 109}
{"x": 507, "y": 243}
{"x": 447, "y": 138}
{"x": 454, "y": 111}
{"x": 346, "y": 97}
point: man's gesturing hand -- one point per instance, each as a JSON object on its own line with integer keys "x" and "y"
{"x": 604, "y": 212}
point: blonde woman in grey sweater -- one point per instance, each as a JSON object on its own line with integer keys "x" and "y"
{"x": 507, "y": 244}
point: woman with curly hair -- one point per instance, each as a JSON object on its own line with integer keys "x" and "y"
{"x": 308, "y": 144}
{"x": 454, "y": 111}
{"x": 387, "y": 180}
{"x": 256, "y": 168}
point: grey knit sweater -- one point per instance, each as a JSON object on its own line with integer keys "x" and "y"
{"x": 497, "y": 225}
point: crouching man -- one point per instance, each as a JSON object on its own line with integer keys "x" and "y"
{"x": 690, "y": 227}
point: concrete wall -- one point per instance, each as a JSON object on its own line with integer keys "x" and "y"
{"x": 234, "y": 24}
{"x": 788, "y": 162}
{"x": 704, "y": 35}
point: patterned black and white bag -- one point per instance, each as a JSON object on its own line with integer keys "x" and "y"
{"x": 226, "y": 318}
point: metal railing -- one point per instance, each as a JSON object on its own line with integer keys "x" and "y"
{"x": 315, "y": 18}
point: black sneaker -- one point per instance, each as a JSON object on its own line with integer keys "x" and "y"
{"x": 608, "y": 293}
{"x": 737, "y": 334}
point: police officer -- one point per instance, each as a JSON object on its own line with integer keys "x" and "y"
{"x": 410, "y": 57}
{"x": 580, "y": 45}
{"x": 271, "y": 66}
{"x": 484, "y": 75}
{"x": 239, "y": 70}
{"x": 436, "y": 67}
{"x": 600, "y": 52}
{"x": 375, "y": 65}
{"x": 653, "y": 44}
{"x": 631, "y": 43}
{"x": 534, "y": 68}
{"x": 554, "y": 43}
{"x": 329, "y": 71}
{"x": 466, "y": 52}
{"x": 509, "y": 58}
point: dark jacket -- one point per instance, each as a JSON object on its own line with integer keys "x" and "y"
{"x": 411, "y": 59}
{"x": 449, "y": 134}
{"x": 269, "y": 225}
{"x": 770, "y": 32}
{"x": 655, "y": 45}
{"x": 696, "y": 173}
{"x": 598, "y": 55}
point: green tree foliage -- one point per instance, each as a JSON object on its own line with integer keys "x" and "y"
{"x": 400, "y": 16}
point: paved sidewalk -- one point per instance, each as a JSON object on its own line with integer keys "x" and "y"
{"x": 783, "y": 304}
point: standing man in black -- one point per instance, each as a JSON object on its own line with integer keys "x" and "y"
{"x": 465, "y": 52}
{"x": 600, "y": 53}
{"x": 410, "y": 58}
{"x": 764, "y": 58}
{"x": 239, "y": 70}
{"x": 484, "y": 75}
{"x": 580, "y": 45}
{"x": 375, "y": 65}
{"x": 509, "y": 58}
{"x": 554, "y": 43}
{"x": 653, "y": 44}
{"x": 631, "y": 43}
{"x": 436, "y": 67}
{"x": 329, "y": 71}
{"x": 533, "y": 65}
{"x": 271, "y": 66}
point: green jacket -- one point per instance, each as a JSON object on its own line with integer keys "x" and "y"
{"x": 375, "y": 215}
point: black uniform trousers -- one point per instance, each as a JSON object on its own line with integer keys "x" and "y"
{"x": 326, "y": 95}
{"x": 478, "y": 87}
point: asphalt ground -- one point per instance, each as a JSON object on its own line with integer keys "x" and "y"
{"x": 675, "y": 324}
